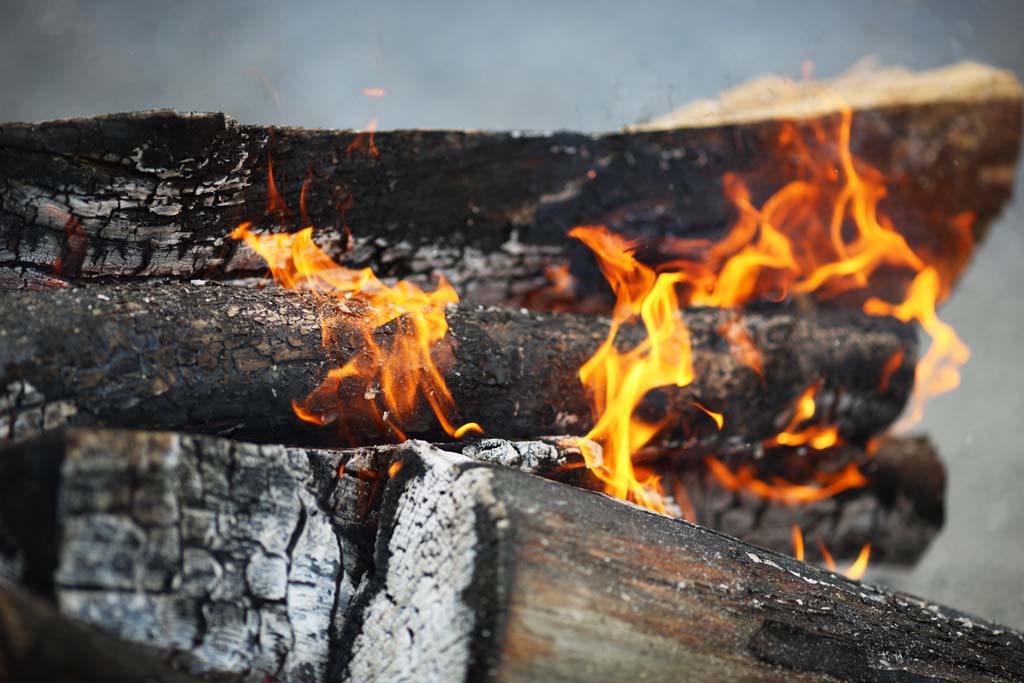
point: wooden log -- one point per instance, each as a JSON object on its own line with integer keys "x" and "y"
{"x": 156, "y": 193}
{"x": 216, "y": 553}
{"x": 231, "y": 558}
{"x": 230, "y": 360}
{"x": 39, "y": 644}
{"x": 234, "y": 558}
{"x": 483, "y": 573}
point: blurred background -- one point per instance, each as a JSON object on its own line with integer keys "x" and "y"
{"x": 589, "y": 66}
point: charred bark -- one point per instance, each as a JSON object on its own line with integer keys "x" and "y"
{"x": 486, "y": 574}
{"x": 39, "y": 644}
{"x": 228, "y": 360}
{"x": 156, "y": 193}
{"x": 248, "y": 561}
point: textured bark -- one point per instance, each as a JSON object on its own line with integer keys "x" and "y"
{"x": 229, "y": 360}
{"x": 251, "y": 561}
{"x": 156, "y": 193}
{"x": 232, "y": 559}
{"x": 487, "y": 574}
{"x": 39, "y": 644}
{"x": 215, "y": 552}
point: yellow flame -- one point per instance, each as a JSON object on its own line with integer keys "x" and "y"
{"x": 390, "y": 380}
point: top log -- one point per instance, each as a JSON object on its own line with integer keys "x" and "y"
{"x": 155, "y": 194}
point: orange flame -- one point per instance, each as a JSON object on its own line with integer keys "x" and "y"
{"x": 363, "y": 141}
{"x": 392, "y": 379}
{"x": 855, "y": 571}
{"x": 781, "y": 491}
{"x": 821, "y": 235}
{"x": 374, "y": 92}
{"x": 818, "y": 437}
{"x": 616, "y": 381}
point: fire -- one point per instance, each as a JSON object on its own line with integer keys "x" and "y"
{"x": 855, "y": 571}
{"x": 820, "y": 236}
{"x": 618, "y": 380}
{"x": 819, "y": 437}
{"x": 390, "y": 380}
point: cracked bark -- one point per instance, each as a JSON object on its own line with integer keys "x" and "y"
{"x": 215, "y": 552}
{"x": 39, "y": 644}
{"x": 484, "y": 573}
{"x": 251, "y": 561}
{"x": 155, "y": 194}
{"x": 229, "y": 360}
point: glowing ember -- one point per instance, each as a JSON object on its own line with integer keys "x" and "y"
{"x": 394, "y": 378}
{"x": 821, "y": 236}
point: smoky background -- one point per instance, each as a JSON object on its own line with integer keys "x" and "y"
{"x": 587, "y": 66}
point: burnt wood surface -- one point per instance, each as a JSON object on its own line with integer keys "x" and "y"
{"x": 156, "y": 193}
{"x": 536, "y": 582}
{"x": 37, "y": 643}
{"x": 246, "y": 560}
{"x": 230, "y": 360}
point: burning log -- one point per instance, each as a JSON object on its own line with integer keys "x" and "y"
{"x": 483, "y": 572}
{"x": 263, "y": 559}
{"x": 228, "y": 360}
{"x": 898, "y": 514}
{"x": 155, "y": 194}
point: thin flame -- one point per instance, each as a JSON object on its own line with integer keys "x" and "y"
{"x": 782, "y": 491}
{"x": 854, "y": 572}
{"x": 374, "y": 92}
{"x": 363, "y": 142}
{"x": 819, "y": 437}
{"x": 393, "y": 379}
{"x": 798, "y": 543}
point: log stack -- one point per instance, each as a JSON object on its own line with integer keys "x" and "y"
{"x": 158, "y": 490}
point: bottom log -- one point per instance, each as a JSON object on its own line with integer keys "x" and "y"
{"x": 413, "y": 563}
{"x": 39, "y": 644}
{"x": 486, "y": 573}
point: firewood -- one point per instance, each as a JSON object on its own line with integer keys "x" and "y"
{"x": 486, "y": 573}
{"x": 237, "y": 557}
{"x": 39, "y": 644}
{"x": 156, "y": 193}
{"x": 230, "y": 360}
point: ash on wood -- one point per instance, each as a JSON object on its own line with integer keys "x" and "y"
{"x": 489, "y": 574}
{"x": 229, "y": 360}
{"x": 156, "y": 193}
{"x": 212, "y": 551}
{"x": 39, "y": 644}
{"x": 249, "y": 561}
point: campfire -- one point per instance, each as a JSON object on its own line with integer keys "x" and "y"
{"x": 306, "y": 405}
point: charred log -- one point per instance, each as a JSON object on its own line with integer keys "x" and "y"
{"x": 156, "y": 193}
{"x": 228, "y": 360}
{"x": 484, "y": 573}
{"x": 39, "y": 644}
{"x": 112, "y": 525}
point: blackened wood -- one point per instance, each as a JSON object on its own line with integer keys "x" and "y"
{"x": 536, "y": 582}
{"x": 39, "y": 644}
{"x": 156, "y": 193}
{"x": 230, "y": 360}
